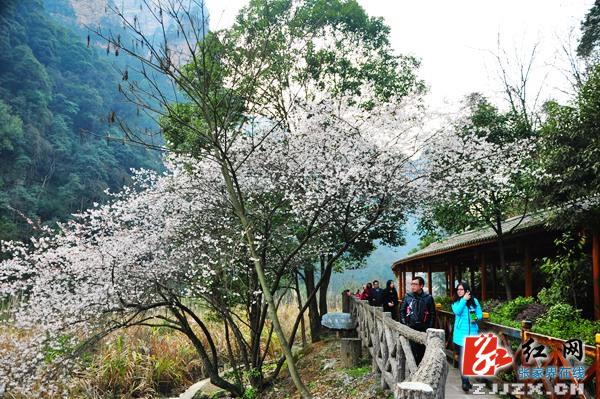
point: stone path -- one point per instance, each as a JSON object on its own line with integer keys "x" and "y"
{"x": 454, "y": 390}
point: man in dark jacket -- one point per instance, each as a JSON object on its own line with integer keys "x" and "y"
{"x": 376, "y": 295}
{"x": 418, "y": 312}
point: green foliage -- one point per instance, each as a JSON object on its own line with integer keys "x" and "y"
{"x": 359, "y": 371}
{"x": 445, "y": 301}
{"x": 552, "y": 295}
{"x": 250, "y": 393}
{"x": 560, "y": 320}
{"x": 568, "y": 272}
{"x": 590, "y": 31}
{"x": 564, "y": 321}
{"x": 55, "y": 95}
{"x": 64, "y": 345}
{"x": 506, "y": 313}
{"x": 570, "y": 156}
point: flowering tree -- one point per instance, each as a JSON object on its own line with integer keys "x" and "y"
{"x": 478, "y": 171}
{"x": 279, "y": 58}
{"x": 171, "y": 238}
{"x": 295, "y": 130}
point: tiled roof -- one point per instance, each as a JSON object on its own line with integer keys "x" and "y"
{"x": 486, "y": 234}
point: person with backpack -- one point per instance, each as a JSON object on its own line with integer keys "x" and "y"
{"x": 375, "y": 294}
{"x": 467, "y": 312}
{"x": 418, "y": 313}
{"x": 390, "y": 299}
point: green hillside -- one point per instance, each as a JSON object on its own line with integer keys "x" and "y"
{"x": 56, "y": 95}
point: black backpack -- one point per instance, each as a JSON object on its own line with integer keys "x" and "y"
{"x": 417, "y": 311}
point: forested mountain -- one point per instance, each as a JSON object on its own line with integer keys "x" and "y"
{"x": 56, "y": 97}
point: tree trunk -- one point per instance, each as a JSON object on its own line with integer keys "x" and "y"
{"x": 503, "y": 269}
{"x": 238, "y": 206}
{"x": 313, "y": 310}
{"x": 326, "y": 277}
{"x": 302, "y": 326}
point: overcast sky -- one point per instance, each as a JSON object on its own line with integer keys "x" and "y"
{"x": 456, "y": 39}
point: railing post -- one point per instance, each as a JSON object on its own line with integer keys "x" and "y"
{"x": 385, "y": 350}
{"x": 438, "y": 323}
{"x": 377, "y": 316}
{"x": 526, "y": 326}
{"x": 346, "y": 301}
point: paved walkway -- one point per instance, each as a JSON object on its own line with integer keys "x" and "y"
{"x": 454, "y": 390}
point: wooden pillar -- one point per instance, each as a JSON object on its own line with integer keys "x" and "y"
{"x": 472, "y": 277}
{"x": 597, "y": 365}
{"x": 401, "y": 286}
{"x": 528, "y": 272}
{"x": 494, "y": 280}
{"x": 596, "y": 275}
{"x": 452, "y": 287}
{"x": 429, "y": 280}
{"x": 399, "y": 283}
{"x": 483, "y": 278}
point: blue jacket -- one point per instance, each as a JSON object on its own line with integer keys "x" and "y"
{"x": 462, "y": 323}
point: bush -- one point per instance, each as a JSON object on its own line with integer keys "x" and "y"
{"x": 565, "y": 322}
{"x": 550, "y": 296}
{"x": 445, "y": 301}
{"x": 506, "y": 313}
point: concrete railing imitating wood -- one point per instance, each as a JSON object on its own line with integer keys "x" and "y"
{"x": 388, "y": 343}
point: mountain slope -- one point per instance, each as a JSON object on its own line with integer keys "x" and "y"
{"x": 55, "y": 98}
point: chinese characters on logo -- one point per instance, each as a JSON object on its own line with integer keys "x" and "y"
{"x": 483, "y": 357}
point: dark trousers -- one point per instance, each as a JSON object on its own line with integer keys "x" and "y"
{"x": 459, "y": 349}
{"x": 393, "y": 310}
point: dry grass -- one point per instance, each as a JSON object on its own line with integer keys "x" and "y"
{"x": 140, "y": 362}
{"x": 144, "y": 362}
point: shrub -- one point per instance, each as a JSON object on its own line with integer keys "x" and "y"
{"x": 550, "y": 296}
{"x": 565, "y": 322}
{"x": 445, "y": 301}
{"x": 567, "y": 272}
{"x": 512, "y": 308}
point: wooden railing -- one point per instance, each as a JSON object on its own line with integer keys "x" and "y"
{"x": 511, "y": 338}
{"x": 388, "y": 343}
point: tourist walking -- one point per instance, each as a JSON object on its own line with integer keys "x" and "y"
{"x": 390, "y": 299}
{"x": 375, "y": 294}
{"x": 467, "y": 312}
{"x": 418, "y": 312}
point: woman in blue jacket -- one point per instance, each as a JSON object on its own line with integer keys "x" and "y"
{"x": 467, "y": 312}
